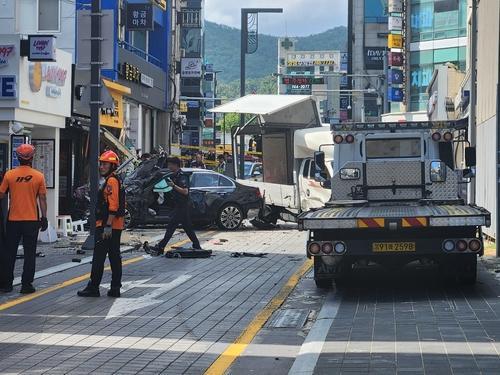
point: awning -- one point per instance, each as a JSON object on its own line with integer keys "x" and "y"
{"x": 108, "y": 136}
{"x": 290, "y": 111}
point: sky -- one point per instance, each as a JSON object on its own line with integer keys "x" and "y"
{"x": 299, "y": 18}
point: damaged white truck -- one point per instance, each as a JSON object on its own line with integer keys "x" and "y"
{"x": 397, "y": 196}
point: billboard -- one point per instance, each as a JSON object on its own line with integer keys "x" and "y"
{"x": 374, "y": 58}
{"x": 376, "y": 11}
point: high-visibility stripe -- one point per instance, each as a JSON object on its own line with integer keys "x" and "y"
{"x": 414, "y": 222}
{"x": 371, "y": 223}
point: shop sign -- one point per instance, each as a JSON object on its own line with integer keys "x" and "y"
{"x": 191, "y": 67}
{"x": 396, "y": 59}
{"x": 431, "y": 105}
{"x": 395, "y": 6}
{"x": 396, "y": 77}
{"x": 130, "y": 72}
{"x": 113, "y": 117}
{"x": 310, "y": 62}
{"x": 193, "y": 104}
{"x": 183, "y": 107}
{"x": 395, "y": 41}
{"x": 6, "y": 52}
{"x": 52, "y": 74}
{"x": 139, "y": 16}
{"x": 395, "y": 23}
{"x": 42, "y": 48}
{"x": 8, "y": 89}
{"x": 395, "y": 94}
{"x": 147, "y": 80}
{"x": 374, "y": 58}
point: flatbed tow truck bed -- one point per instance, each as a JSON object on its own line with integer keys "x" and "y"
{"x": 401, "y": 215}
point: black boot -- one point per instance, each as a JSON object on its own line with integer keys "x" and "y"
{"x": 197, "y": 246}
{"x": 27, "y": 289}
{"x": 114, "y": 292}
{"x": 6, "y": 288}
{"x": 89, "y": 291}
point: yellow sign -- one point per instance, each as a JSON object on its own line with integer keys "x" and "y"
{"x": 115, "y": 119}
{"x": 310, "y": 62}
{"x": 162, "y": 4}
{"x": 395, "y": 41}
{"x": 183, "y": 107}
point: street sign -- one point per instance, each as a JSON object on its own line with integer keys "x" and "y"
{"x": 139, "y": 16}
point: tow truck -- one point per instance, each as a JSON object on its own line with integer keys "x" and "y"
{"x": 397, "y": 196}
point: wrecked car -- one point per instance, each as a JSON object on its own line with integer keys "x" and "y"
{"x": 215, "y": 198}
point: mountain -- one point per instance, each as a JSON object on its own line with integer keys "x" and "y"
{"x": 222, "y": 49}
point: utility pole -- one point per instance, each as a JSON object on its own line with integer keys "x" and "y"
{"x": 95, "y": 108}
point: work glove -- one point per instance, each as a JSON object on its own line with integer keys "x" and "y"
{"x": 108, "y": 232}
{"x": 44, "y": 224}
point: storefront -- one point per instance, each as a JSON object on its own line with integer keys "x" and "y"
{"x": 35, "y": 100}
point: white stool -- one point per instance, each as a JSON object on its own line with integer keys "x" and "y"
{"x": 64, "y": 225}
{"x": 79, "y": 226}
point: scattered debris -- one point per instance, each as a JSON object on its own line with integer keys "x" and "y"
{"x": 80, "y": 252}
{"x": 250, "y": 255}
{"x": 188, "y": 253}
{"x": 76, "y": 260}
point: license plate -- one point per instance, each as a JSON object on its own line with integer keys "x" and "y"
{"x": 393, "y": 247}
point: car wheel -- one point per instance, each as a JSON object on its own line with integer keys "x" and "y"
{"x": 230, "y": 217}
{"x": 128, "y": 220}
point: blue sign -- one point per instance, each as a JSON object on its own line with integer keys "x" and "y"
{"x": 395, "y": 94}
{"x": 8, "y": 87}
{"x": 15, "y": 142}
{"x": 376, "y": 11}
{"x": 193, "y": 104}
{"x": 396, "y": 76}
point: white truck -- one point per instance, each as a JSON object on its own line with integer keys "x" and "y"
{"x": 396, "y": 198}
{"x": 290, "y": 130}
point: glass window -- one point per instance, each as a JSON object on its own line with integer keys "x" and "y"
{"x": 445, "y": 55}
{"x": 393, "y": 148}
{"x": 376, "y": 11}
{"x": 204, "y": 180}
{"x": 307, "y": 166}
{"x": 225, "y": 182}
{"x": 48, "y": 15}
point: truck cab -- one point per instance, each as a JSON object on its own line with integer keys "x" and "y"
{"x": 397, "y": 196}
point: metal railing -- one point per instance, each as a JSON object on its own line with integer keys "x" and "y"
{"x": 142, "y": 54}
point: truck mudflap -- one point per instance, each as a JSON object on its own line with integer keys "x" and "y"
{"x": 394, "y": 217}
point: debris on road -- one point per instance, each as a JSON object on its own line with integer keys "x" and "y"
{"x": 249, "y": 255}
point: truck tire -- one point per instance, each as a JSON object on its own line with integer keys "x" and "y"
{"x": 323, "y": 283}
{"x": 467, "y": 270}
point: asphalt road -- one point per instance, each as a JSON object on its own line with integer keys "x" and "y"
{"x": 252, "y": 315}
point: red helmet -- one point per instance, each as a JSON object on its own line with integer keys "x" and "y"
{"x": 110, "y": 157}
{"x": 25, "y": 152}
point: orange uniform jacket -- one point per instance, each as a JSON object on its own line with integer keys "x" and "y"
{"x": 24, "y": 185}
{"x": 112, "y": 198}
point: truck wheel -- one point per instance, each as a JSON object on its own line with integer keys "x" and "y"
{"x": 323, "y": 283}
{"x": 467, "y": 271}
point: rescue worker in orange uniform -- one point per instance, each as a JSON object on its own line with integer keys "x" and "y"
{"x": 25, "y": 187}
{"x": 110, "y": 213}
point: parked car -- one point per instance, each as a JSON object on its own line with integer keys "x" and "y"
{"x": 216, "y": 199}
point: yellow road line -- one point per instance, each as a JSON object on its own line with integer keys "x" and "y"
{"x": 234, "y": 350}
{"x": 76, "y": 280}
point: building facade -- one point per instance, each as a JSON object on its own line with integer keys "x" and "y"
{"x": 35, "y": 96}
{"x": 192, "y": 69}
{"x": 367, "y": 44}
{"x": 437, "y": 34}
{"x": 318, "y": 73}
{"x": 488, "y": 107}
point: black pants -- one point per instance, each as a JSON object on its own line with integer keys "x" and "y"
{"x": 181, "y": 216}
{"x": 27, "y": 231}
{"x": 111, "y": 248}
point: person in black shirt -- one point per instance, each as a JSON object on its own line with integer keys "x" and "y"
{"x": 198, "y": 162}
{"x": 181, "y": 215}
